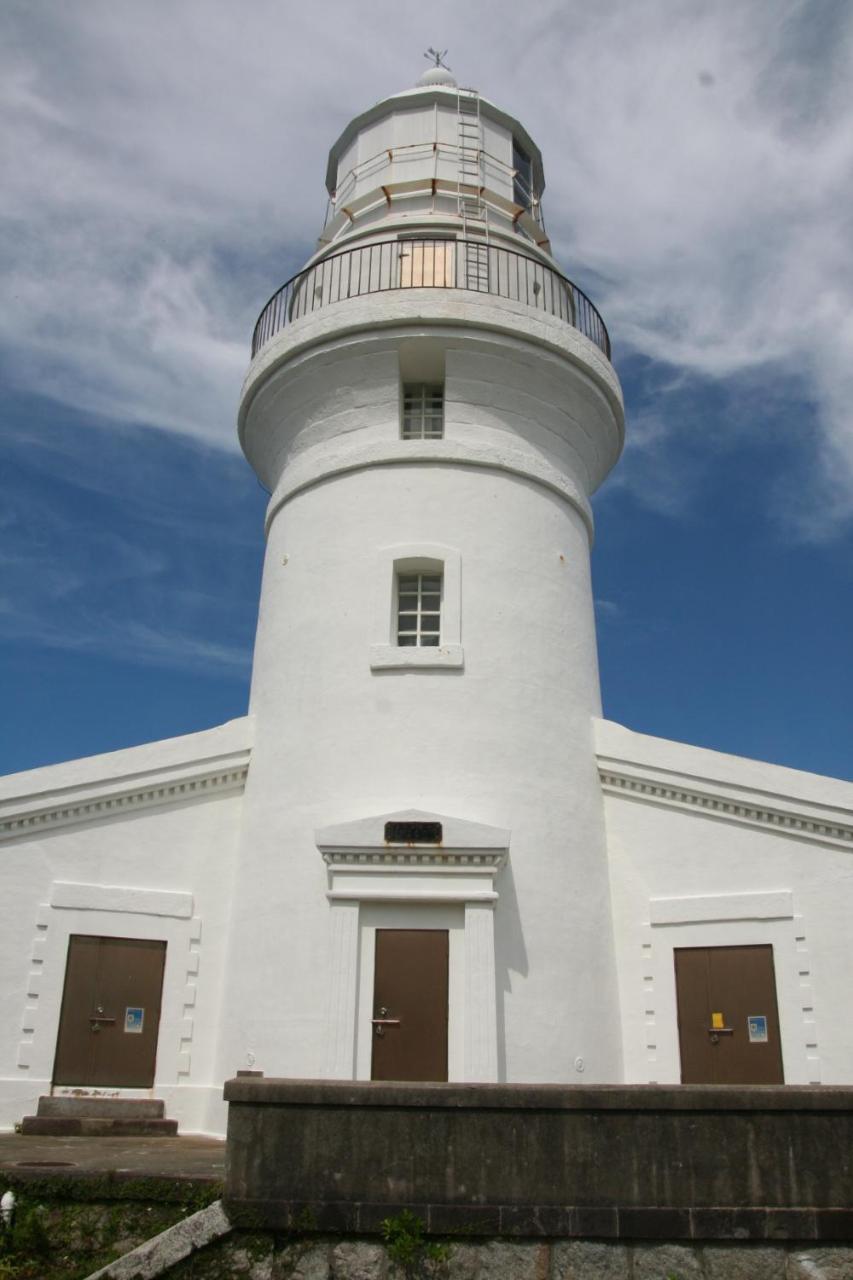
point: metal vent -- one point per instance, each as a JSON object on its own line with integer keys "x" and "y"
{"x": 413, "y": 832}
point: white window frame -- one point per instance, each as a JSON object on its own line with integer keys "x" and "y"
{"x": 409, "y": 558}
{"x": 417, "y": 422}
{"x": 415, "y": 620}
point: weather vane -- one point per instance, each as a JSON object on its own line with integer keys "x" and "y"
{"x": 437, "y": 58}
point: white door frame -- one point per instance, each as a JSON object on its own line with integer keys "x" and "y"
{"x": 458, "y": 874}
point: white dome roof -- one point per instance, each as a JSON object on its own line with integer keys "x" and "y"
{"x": 438, "y": 75}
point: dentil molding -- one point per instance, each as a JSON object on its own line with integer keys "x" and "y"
{"x": 109, "y": 800}
{"x": 729, "y": 804}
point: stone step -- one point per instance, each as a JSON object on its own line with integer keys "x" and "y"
{"x": 97, "y": 1127}
{"x": 79, "y": 1106}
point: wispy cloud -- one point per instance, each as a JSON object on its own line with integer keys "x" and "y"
{"x": 86, "y": 568}
{"x": 131, "y": 640}
{"x": 158, "y": 185}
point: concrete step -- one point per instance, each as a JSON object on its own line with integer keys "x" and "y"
{"x": 100, "y": 1118}
{"x": 97, "y": 1127}
{"x": 80, "y": 1106}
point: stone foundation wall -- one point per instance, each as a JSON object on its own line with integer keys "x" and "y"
{"x": 260, "y": 1257}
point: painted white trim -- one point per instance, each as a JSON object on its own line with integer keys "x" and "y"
{"x": 48, "y": 956}
{"x": 312, "y": 469}
{"x": 385, "y": 657}
{"x": 398, "y": 893}
{"x": 341, "y": 1016}
{"x": 106, "y": 799}
{"x": 372, "y": 880}
{"x": 104, "y": 897}
{"x": 794, "y": 992}
{"x": 726, "y": 802}
{"x": 481, "y": 1032}
{"x": 416, "y": 557}
{"x": 730, "y": 906}
{"x": 364, "y": 839}
{"x": 400, "y": 915}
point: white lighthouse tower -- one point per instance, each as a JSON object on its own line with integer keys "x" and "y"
{"x": 422, "y": 890}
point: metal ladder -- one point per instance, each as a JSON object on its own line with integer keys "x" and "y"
{"x": 471, "y": 206}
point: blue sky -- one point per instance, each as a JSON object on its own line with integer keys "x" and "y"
{"x": 165, "y": 173}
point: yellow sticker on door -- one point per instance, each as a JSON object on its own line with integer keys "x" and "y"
{"x": 717, "y": 1021}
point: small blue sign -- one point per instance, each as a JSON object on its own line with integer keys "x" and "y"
{"x": 133, "y": 1021}
{"x": 757, "y": 1023}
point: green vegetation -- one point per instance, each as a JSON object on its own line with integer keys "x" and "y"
{"x": 407, "y": 1248}
{"x": 54, "y": 1237}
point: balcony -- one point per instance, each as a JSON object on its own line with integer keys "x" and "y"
{"x": 430, "y": 264}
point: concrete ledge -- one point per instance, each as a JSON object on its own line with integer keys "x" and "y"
{"x": 550, "y": 1221}
{"x": 611, "y": 1162}
{"x": 539, "y": 1097}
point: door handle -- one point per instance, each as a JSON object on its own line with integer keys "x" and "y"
{"x": 716, "y": 1032}
{"x": 382, "y": 1021}
{"x": 95, "y": 1021}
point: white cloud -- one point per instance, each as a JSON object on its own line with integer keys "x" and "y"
{"x": 164, "y": 173}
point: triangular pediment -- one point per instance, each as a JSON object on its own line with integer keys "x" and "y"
{"x": 370, "y": 834}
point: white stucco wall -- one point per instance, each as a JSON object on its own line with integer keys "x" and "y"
{"x": 501, "y": 732}
{"x": 708, "y": 849}
{"x": 137, "y": 843}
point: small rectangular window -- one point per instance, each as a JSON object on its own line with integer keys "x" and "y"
{"x": 419, "y": 610}
{"x": 423, "y": 411}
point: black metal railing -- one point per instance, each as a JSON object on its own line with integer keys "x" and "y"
{"x": 430, "y": 264}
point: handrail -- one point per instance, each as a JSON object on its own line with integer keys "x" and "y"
{"x": 438, "y": 150}
{"x": 430, "y": 263}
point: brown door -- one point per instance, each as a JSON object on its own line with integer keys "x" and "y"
{"x": 110, "y": 1012}
{"x": 728, "y": 1023}
{"x": 410, "y": 1005}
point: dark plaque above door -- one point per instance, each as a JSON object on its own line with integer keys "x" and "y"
{"x": 413, "y": 832}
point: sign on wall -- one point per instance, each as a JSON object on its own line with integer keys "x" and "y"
{"x": 757, "y": 1023}
{"x": 133, "y": 1021}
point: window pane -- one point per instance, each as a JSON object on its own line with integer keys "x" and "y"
{"x": 423, "y": 411}
{"x": 419, "y": 609}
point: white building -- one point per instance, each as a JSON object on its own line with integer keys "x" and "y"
{"x": 423, "y": 853}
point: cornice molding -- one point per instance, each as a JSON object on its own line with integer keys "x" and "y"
{"x": 728, "y": 804}
{"x": 421, "y": 859}
{"x": 111, "y": 801}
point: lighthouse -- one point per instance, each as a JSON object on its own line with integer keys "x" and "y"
{"x": 423, "y": 854}
{"x": 421, "y": 889}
